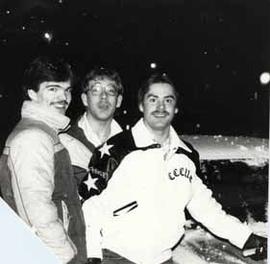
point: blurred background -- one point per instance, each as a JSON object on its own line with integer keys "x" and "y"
{"x": 217, "y": 53}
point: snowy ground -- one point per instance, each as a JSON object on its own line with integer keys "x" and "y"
{"x": 200, "y": 247}
{"x": 218, "y": 147}
{"x": 248, "y": 184}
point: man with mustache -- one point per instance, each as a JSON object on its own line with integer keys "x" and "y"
{"x": 102, "y": 93}
{"x": 36, "y": 176}
{"x": 153, "y": 175}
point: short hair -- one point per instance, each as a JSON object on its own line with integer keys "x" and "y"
{"x": 101, "y": 73}
{"x": 155, "y": 78}
{"x": 46, "y": 69}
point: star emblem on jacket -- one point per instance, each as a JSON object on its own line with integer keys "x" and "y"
{"x": 105, "y": 150}
{"x": 91, "y": 183}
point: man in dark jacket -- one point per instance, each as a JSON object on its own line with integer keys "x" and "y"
{"x": 102, "y": 93}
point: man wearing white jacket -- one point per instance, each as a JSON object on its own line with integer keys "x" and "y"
{"x": 36, "y": 176}
{"x": 153, "y": 176}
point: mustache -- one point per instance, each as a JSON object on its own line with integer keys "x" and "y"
{"x": 60, "y": 102}
{"x": 160, "y": 112}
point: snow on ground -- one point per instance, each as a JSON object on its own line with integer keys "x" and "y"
{"x": 200, "y": 247}
{"x": 251, "y": 149}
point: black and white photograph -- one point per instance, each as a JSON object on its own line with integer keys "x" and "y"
{"x": 134, "y": 132}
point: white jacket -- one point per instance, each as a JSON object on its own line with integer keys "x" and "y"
{"x": 31, "y": 161}
{"x": 141, "y": 213}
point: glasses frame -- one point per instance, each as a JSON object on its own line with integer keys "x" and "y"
{"x": 97, "y": 89}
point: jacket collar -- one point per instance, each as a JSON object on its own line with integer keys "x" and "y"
{"x": 143, "y": 137}
{"x": 45, "y": 114}
{"x": 85, "y": 125}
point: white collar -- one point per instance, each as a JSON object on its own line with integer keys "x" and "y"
{"x": 55, "y": 120}
{"x": 91, "y": 136}
{"x": 143, "y": 137}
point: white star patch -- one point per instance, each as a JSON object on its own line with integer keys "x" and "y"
{"x": 105, "y": 149}
{"x": 91, "y": 183}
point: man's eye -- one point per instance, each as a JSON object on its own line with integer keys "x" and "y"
{"x": 69, "y": 90}
{"x": 152, "y": 100}
{"x": 52, "y": 89}
{"x": 169, "y": 101}
{"x": 111, "y": 91}
{"x": 95, "y": 90}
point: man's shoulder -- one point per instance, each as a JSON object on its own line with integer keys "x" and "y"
{"x": 31, "y": 136}
{"x": 189, "y": 146}
{"x": 193, "y": 154}
{"x": 113, "y": 151}
{"x": 123, "y": 137}
{"x": 75, "y": 134}
{"x": 105, "y": 160}
{"x": 74, "y": 128}
{"x": 65, "y": 138}
{"x": 70, "y": 134}
{"x": 123, "y": 141}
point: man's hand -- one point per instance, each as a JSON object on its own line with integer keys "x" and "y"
{"x": 255, "y": 247}
{"x": 93, "y": 261}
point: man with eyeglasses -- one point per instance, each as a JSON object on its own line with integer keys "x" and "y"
{"x": 102, "y": 93}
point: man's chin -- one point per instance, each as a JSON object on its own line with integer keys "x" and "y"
{"x": 61, "y": 111}
{"x": 104, "y": 117}
{"x": 104, "y": 108}
{"x": 161, "y": 125}
{"x": 105, "y": 114}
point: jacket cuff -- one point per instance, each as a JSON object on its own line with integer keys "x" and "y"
{"x": 241, "y": 236}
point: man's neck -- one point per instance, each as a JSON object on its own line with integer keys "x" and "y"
{"x": 160, "y": 136}
{"x": 102, "y": 128}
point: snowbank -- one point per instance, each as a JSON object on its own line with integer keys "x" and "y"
{"x": 253, "y": 150}
{"x": 200, "y": 247}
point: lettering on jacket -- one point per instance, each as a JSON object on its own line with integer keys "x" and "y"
{"x": 99, "y": 173}
{"x": 182, "y": 171}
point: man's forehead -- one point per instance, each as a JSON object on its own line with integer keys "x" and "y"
{"x": 161, "y": 89}
{"x": 102, "y": 80}
{"x": 56, "y": 84}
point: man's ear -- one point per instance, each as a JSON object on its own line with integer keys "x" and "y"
{"x": 176, "y": 110}
{"x": 32, "y": 94}
{"x": 84, "y": 99}
{"x": 119, "y": 100}
{"x": 141, "y": 107}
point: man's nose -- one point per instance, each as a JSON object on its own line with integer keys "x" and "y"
{"x": 103, "y": 94}
{"x": 62, "y": 95}
{"x": 161, "y": 105}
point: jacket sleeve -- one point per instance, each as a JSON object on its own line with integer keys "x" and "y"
{"x": 205, "y": 209}
{"x": 32, "y": 164}
{"x": 79, "y": 155}
{"x": 93, "y": 215}
{"x": 99, "y": 208}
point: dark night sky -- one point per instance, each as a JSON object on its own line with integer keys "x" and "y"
{"x": 214, "y": 51}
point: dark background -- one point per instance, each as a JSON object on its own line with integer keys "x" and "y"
{"x": 214, "y": 51}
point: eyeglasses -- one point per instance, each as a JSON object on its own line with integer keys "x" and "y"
{"x": 97, "y": 89}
